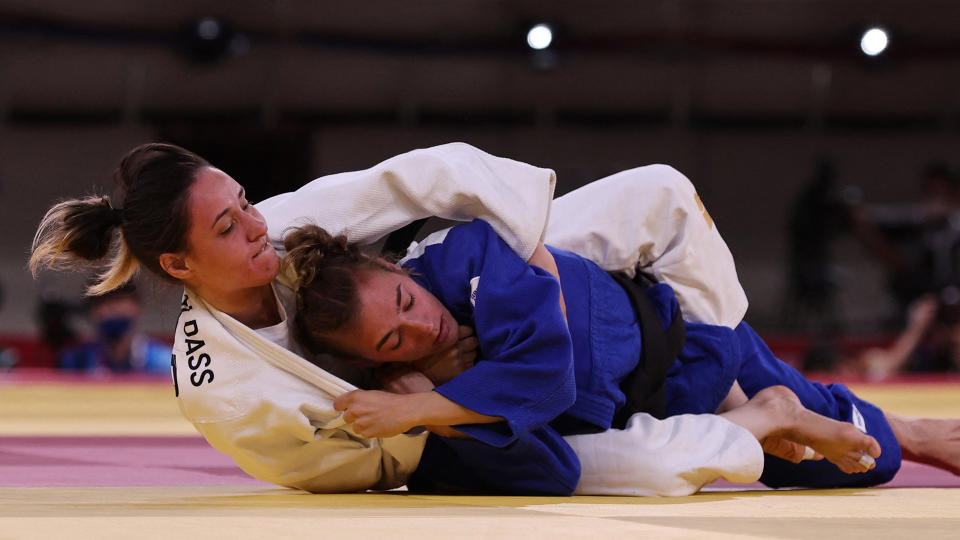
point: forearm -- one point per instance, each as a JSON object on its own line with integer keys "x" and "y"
{"x": 544, "y": 259}
{"x": 433, "y": 409}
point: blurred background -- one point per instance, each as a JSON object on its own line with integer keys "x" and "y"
{"x": 826, "y": 152}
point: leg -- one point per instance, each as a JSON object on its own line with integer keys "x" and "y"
{"x": 652, "y": 217}
{"x": 777, "y": 412}
{"x": 778, "y": 446}
{"x": 672, "y": 457}
{"x": 933, "y": 441}
{"x": 760, "y": 369}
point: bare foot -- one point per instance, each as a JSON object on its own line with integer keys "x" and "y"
{"x": 933, "y": 441}
{"x": 839, "y": 442}
{"x": 787, "y": 449}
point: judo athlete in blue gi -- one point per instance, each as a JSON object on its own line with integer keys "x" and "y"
{"x": 539, "y": 377}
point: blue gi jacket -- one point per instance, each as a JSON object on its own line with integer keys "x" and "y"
{"x": 546, "y": 380}
{"x": 529, "y": 370}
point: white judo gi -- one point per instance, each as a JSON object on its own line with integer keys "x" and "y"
{"x": 271, "y": 410}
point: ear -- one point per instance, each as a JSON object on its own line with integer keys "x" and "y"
{"x": 175, "y": 264}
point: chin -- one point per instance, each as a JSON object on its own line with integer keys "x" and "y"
{"x": 268, "y": 268}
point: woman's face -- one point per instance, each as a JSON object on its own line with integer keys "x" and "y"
{"x": 397, "y": 320}
{"x": 228, "y": 246}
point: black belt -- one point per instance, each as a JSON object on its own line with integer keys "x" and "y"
{"x": 644, "y": 386}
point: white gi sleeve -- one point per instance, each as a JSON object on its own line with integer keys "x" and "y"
{"x": 452, "y": 181}
{"x": 272, "y": 411}
{"x": 651, "y": 217}
{"x": 313, "y": 459}
{"x": 672, "y": 457}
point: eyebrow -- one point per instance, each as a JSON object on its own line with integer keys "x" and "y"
{"x": 225, "y": 210}
{"x": 390, "y": 333}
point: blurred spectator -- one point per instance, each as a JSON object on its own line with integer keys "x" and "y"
{"x": 56, "y": 330}
{"x": 930, "y": 342}
{"x": 919, "y": 242}
{"x": 8, "y": 357}
{"x": 118, "y": 345}
{"x": 819, "y": 215}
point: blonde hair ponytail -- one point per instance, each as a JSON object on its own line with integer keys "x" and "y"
{"x": 153, "y": 184}
{"x": 81, "y": 233}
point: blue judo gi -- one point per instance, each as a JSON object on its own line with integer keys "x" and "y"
{"x": 548, "y": 378}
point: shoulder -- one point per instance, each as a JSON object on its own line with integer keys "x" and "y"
{"x": 477, "y": 228}
{"x": 465, "y": 237}
{"x": 475, "y": 236}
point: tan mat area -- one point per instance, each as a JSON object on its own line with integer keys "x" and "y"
{"x": 223, "y": 512}
{"x": 239, "y": 512}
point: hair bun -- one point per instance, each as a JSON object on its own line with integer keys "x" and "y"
{"x": 310, "y": 246}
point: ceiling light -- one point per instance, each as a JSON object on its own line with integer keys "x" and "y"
{"x": 539, "y": 37}
{"x": 874, "y": 41}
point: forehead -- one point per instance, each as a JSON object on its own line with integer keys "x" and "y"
{"x": 378, "y": 286}
{"x": 376, "y": 309}
{"x": 212, "y": 190}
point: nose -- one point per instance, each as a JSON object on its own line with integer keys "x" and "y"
{"x": 256, "y": 226}
{"x": 418, "y": 325}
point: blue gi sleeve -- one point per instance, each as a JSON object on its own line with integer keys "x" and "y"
{"x": 536, "y": 463}
{"x": 524, "y": 371}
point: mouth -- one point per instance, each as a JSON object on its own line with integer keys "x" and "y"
{"x": 263, "y": 248}
{"x": 442, "y": 332}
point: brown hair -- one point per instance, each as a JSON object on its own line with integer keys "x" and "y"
{"x": 328, "y": 270}
{"x": 147, "y": 217}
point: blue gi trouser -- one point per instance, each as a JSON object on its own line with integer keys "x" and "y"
{"x": 710, "y": 359}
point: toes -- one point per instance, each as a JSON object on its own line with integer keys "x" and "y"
{"x": 784, "y": 449}
{"x": 856, "y": 464}
{"x": 874, "y": 448}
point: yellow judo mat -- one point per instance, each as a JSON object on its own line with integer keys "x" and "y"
{"x": 37, "y": 412}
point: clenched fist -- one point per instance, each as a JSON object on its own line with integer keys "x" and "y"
{"x": 375, "y": 413}
{"x": 445, "y": 365}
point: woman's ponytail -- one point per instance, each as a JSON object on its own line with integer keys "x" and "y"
{"x": 152, "y": 184}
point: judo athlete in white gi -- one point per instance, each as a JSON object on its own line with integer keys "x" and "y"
{"x": 240, "y": 378}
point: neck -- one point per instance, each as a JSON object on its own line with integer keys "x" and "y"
{"x": 255, "y": 307}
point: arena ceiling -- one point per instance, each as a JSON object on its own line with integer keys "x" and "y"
{"x": 787, "y": 63}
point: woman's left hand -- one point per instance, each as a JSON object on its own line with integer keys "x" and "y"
{"x": 375, "y": 413}
{"x": 445, "y": 365}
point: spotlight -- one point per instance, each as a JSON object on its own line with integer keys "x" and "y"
{"x": 874, "y": 41}
{"x": 208, "y": 40}
{"x": 539, "y": 37}
{"x": 208, "y": 28}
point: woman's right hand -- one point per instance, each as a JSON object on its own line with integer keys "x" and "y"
{"x": 445, "y": 365}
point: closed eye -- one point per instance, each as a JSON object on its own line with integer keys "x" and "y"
{"x": 244, "y": 205}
